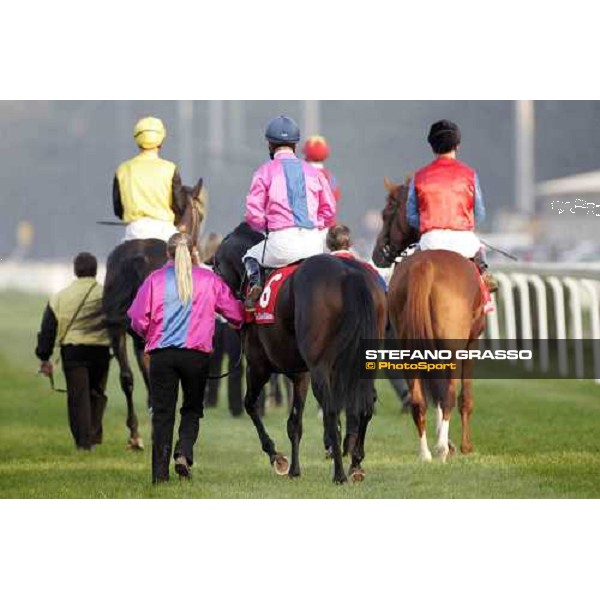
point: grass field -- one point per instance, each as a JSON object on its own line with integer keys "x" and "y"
{"x": 537, "y": 439}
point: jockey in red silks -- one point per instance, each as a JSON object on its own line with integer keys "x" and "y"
{"x": 445, "y": 201}
{"x": 316, "y": 152}
{"x": 291, "y": 202}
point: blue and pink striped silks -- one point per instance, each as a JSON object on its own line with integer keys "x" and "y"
{"x": 158, "y": 316}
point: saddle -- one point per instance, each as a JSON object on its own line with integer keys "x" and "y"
{"x": 489, "y": 281}
{"x": 264, "y": 313}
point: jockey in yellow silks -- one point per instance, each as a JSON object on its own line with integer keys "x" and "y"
{"x": 147, "y": 190}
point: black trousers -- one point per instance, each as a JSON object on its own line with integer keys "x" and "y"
{"x": 168, "y": 368}
{"x": 86, "y": 371}
{"x": 226, "y": 343}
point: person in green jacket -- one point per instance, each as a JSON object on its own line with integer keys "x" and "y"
{"x": 84, "y": 350}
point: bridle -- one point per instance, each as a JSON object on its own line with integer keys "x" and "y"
{"x": 389, "y": 251}
{"x": 196, "y": 203}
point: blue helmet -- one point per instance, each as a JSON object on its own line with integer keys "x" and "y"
{"x": 283, "y": 129}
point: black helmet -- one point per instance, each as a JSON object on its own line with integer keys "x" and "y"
{"x": 444, "y": 136}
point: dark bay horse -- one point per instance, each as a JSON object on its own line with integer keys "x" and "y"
{"x": 323, "y": 311}
{"x": 126, "y": 268}
{"x": 434, "y": 297}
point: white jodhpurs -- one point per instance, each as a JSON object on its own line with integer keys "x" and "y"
{"x": 287, "y": 246}
{"x": 146, "y": 228}
{"x": 463, "y": 242}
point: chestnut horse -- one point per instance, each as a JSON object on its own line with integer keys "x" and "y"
{"x": 126, "y": 268}
{"x": 434, "y": 296}
{"x": 323, "y": 310}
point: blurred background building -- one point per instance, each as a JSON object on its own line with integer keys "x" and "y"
{"x": 59, "y": 158}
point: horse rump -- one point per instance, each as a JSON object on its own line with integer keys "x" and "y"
{"x": 357, "y": 321}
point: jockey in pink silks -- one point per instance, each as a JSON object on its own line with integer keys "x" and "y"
{"x": 291, "y": 202}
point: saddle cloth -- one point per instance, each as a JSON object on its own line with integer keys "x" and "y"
{"x": 265, "y": 307}
{"x": 486, "y": 296}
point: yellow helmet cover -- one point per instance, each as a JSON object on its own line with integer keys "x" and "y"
{"x": 149, "y": 133}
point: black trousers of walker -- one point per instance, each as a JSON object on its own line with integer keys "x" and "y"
{"x": 168, "y": 368}
{"x": 86, "y": 371}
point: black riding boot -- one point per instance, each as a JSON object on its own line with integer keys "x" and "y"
{"x": 253, "y": 273}
{"x": 480, "y": 261}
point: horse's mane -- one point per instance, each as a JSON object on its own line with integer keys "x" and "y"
{"x": 394, "y": 234}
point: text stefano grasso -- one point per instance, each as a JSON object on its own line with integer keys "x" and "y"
{"x": 383, "y": 354}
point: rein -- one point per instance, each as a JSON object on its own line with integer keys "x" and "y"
{"x": 503, "y": 252}
{"x": 388, "y": 250}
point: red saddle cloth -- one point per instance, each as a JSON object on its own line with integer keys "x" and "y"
{"x": 265, "y": 307}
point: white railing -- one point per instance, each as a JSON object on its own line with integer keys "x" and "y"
{"x": 573, "y": 288}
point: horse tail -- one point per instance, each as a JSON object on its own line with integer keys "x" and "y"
{"x": 418, "y": 323}
{"x": 357, "y": 322}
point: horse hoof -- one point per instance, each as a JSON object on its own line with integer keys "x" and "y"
{"x": 356, "y": 475}
{"x": 425, "y": 457}
{"x": 281, "y": 465}
{"x": 135, "y": 443}
{"x": 442, "y": 452}
{"x": 451, "y": 448}
{"x": 294, "y": 474}
{"x": 466, "y": 448}
{"x": 340, "y": 480}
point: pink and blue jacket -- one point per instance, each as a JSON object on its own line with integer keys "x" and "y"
{"x": 158, "y": 316}
{"x": 289, "y": 192}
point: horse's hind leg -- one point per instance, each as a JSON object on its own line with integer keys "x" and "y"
{"x": 256, "y": 378}
{"x": 444, "y": 410}
{"x": 419, "y": 409}
{"x": 439, "y": 418}
{"x": 328, "y": 439}
{"x": 356, "y": 445}
{"x": 465, "y": 406}
{"x": 331, "y": 424}
{"x": 294, "y": 424}
{"x": 330, "y": 421}
{"x": 119, "y": 345}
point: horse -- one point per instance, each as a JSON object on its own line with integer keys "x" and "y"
{"x": 434, "y": 297}
{"x": 323, "y": 310}
{"x": 126, "y": 268}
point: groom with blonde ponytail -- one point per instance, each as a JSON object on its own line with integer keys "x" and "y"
{"x": 173, "y": 312}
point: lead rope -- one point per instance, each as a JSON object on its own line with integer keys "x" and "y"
{"x": 236, "y": 366}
